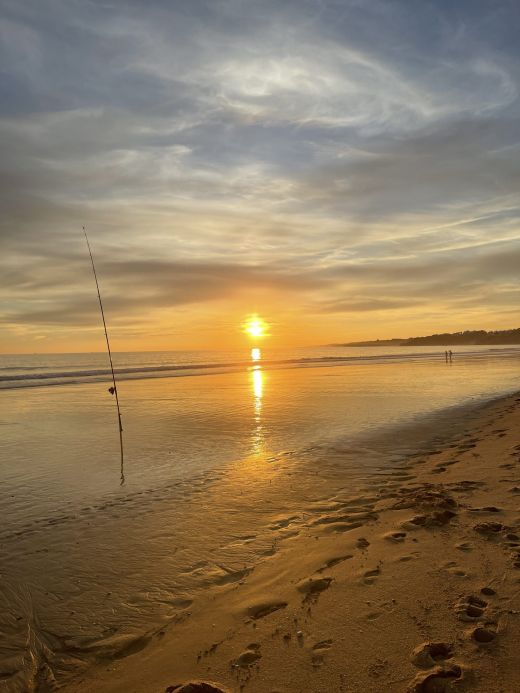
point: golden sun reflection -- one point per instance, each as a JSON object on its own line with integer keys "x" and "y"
{"x": 256, "y": 354}
{"x": 257, "y": 378}
{"x": 258, "y": 387}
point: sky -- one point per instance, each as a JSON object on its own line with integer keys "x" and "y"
{"x": 346, "y": 169}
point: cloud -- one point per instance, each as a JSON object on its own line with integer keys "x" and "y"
{"x": 132, "y": 287}
{"x": 361, "y": 155}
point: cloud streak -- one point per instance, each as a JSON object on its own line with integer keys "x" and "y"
{"x": 344, "y": 157}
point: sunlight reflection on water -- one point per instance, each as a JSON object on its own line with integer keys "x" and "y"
{"x": 258, "y": 391}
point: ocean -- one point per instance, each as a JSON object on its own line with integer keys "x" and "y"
{"x": 220, "y": 448}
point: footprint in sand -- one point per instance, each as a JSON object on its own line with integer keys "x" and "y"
{"x": 381, "y": 609}
{"x": 516, "y": 558}
{"x": 222, "y": 575}
{"x": 483, "y": 636}
{"x": 438, "y": 518}
{"x": 283, "y": 522}
{"x": 395, "y": 537}
{"x": 334, "y": 561}
{"x": 464, "y": 546}
{"x": 415, "y": 522}
{"x": 319, "y": 650}
{"x": 241, "y": 540}
{"x": 470, "y": 608}
{"x": 438, "y": 681}
{"x": 428, "y": 654}
{"x": 263, "y": 609}
{"x": 489, "y": 529}
{"x": 488, "y": 591}
{"x": 454, "y": 569}
{"x": 438, "y": 469}
{"x": 250, "y": 655}
{"x": 513, "y": 539}
{"x": 337, "y": 527}
{"x": 407, "y": 557}
{"x": 450, "y": 463}
{"x": 322, "y": 645}
{"x": 370, "y": 576}
{"x": 196, "y": 687}
{"x": 312, "y": 587}
{"x": 465, "y": 485}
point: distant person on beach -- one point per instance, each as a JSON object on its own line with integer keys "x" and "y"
{"x": 446, "y": 356}
{"x": 450, "y": 352}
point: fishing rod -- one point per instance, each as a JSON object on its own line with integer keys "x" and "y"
{"x": 113, "y": 389}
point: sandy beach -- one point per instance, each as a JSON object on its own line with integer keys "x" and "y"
{"x": 413, "y": 587}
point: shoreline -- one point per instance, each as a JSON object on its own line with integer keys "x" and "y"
{"x": 102, "y": 374}
{"x": 343, "y": 605}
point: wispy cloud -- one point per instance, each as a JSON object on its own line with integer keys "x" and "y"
{"x": 360, "y": 155}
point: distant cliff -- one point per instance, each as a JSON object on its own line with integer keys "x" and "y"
{"x": 449, "y": 339}
{"x": 467, "y": 337}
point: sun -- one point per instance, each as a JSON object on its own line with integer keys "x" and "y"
{"x": 255, "y": 327}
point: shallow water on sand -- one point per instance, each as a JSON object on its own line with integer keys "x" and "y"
{"x": 218, "y": 470}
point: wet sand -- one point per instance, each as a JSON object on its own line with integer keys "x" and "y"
{"x": 413, "y": 585}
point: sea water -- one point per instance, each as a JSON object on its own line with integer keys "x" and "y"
{"x": 216, "y": 447}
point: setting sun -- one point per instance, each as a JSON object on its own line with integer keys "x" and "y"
{"x": 255, "y": 327}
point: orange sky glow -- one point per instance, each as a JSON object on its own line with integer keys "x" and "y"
{"x": 248, "y": 159}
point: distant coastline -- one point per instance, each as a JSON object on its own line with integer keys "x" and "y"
{"x": 468, "y": 337}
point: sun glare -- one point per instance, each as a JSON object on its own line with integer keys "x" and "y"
{"x": 255, "y": 327}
